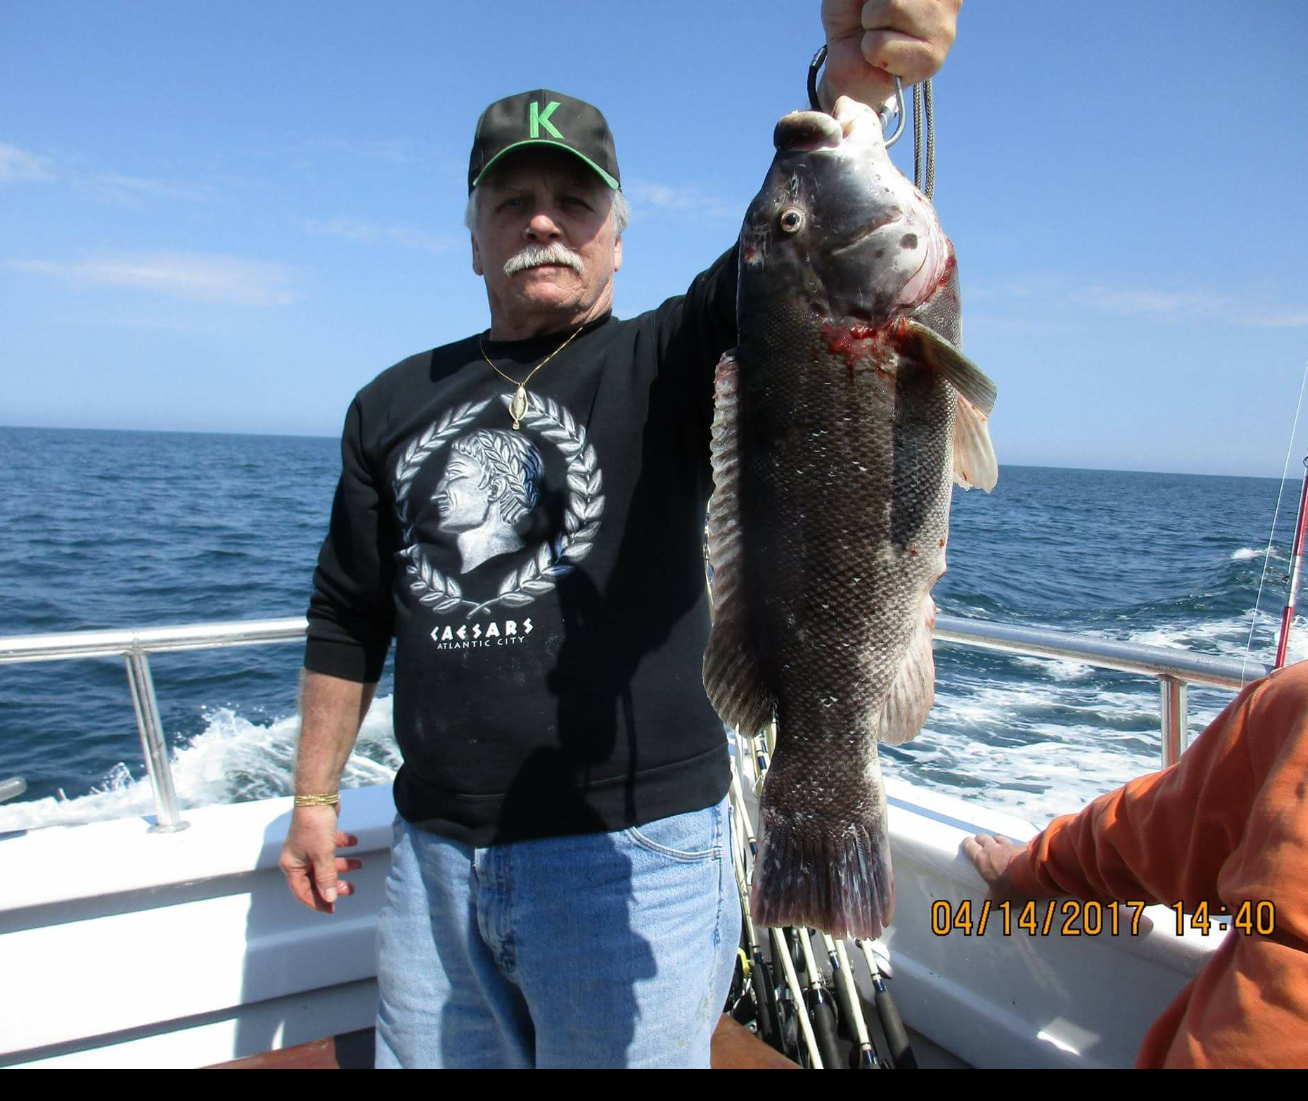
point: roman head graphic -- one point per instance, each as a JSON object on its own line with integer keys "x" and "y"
{"x": 491, "y": 481}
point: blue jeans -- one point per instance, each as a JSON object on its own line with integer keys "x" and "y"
{"x": 598, "y": 950}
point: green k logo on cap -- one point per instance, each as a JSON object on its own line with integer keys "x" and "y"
{"x": 543, "y": 118}
{"x": 539, "y": 118}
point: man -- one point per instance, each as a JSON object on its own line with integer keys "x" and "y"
{"x": 561, "y": 889}
{"x": 1226, "y": 826}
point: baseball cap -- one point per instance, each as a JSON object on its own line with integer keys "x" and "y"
{"x": 543, "y": 117}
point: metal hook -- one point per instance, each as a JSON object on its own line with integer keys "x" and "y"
{"x": 815, "y": 67}
{"x": 899, "y": 110}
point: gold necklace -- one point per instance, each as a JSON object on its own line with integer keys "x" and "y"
{"x": 518, "y": 408}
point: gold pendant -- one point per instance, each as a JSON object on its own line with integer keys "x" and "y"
{"x": 518, "y": 409}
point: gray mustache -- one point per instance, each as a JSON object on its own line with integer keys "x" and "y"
{"x": 533, "y": 256}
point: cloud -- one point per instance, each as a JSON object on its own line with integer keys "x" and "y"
{"x": 16, "y": 165}
{"x": 197, "y": 277}
{"x": 691, "y": 200}
{"x": 1278, "y": 319}
{"x": 130, "y": 190}
{"x": 1191, "y": 305}
{"x": 1174, "y": 306}
{"x": 365, "y": 233}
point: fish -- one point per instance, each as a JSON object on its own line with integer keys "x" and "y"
{"x": 843, "y": 418}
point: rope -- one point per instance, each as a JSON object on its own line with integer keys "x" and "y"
{"x": 931, "y": 141}
{"x": 924, "y": 119}
{"x": 917, "y": 136}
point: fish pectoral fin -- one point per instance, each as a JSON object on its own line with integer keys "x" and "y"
{"x": 914, "y": 689}
{"x": 965, "y": 376}
{"x": 974, "y": 455}
{"x": 732, "y": 671}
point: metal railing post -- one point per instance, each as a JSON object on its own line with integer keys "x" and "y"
{"x": 168, "y": 813}
{"x": 1176, "y": 719}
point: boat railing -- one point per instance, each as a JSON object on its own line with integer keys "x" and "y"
{"x": 1174, "y": 669}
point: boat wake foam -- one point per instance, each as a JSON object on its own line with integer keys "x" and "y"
{"x": 232, "y": 760}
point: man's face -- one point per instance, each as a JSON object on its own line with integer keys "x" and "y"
{"x": 540, "y": 197}
{"x": 463, "y": 506}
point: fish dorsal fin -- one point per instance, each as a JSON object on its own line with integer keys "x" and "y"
{"x": 935, "y": 351}
{"x": 732, "y": 671}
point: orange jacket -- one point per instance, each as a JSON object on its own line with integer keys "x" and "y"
{"x": 1227, "y": 824}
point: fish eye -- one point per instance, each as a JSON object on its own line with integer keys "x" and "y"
{"x": 791, "y": 220}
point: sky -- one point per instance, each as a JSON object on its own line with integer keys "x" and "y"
{"x": 230, "y": 217}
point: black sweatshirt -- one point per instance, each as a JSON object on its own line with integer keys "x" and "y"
{"x": 545, "y": 587}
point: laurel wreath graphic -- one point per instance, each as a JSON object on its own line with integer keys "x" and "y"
{"x": 555, "y": 558}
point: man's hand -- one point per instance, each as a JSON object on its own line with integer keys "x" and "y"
{"x": 869, "y": 44}
{"x": 309, "y": 858}
{"x": 991, "y": 855}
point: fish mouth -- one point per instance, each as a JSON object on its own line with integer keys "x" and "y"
{"x": 854, "y": 117}
{"x": 864, "y": 233}
{"x": 807, "y": 132}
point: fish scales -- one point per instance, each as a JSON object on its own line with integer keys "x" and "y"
{"x": 834, "y": 457}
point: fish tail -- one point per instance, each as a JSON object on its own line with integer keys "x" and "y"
{"x": 830, "y": 876}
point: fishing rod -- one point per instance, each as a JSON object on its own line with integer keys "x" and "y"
{"x": 813, "y": 1009}
{"x": 863, "y": 1056}
{"x": 781, "y": 950}
{"x": 892, "y": 1024}
{"x": 825, "y": 1017}
{"x": 1287, "y": 616}
{"x": 787, "y": 1002}
{"x": 821, "y": 1008}
{"x": 768, "y": 993}
{"x": 757, "y": 973}
{"x": 770, "y": 1000}
{"x": 813, "y": 1024}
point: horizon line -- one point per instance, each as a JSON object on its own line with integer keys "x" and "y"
{"x": 336, "y": 438}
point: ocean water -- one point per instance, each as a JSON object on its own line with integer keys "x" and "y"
{"x": 126, "y": 529}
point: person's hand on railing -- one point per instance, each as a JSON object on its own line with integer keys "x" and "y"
{"x": 990, "y": 855}
{"x": 309, "y": 858}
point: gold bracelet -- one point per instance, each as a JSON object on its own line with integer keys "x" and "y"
{"x": 330, "y": 799}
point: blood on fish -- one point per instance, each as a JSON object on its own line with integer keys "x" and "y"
{"x": 947, "y": 273}
{"x": 860, "y": 345}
